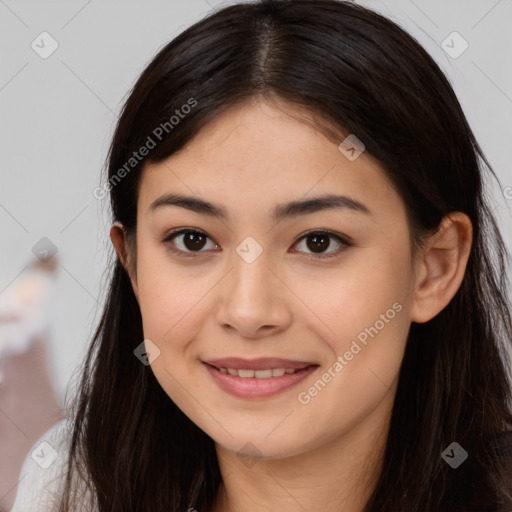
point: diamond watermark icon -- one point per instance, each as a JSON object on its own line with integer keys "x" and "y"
{"x": 249, "y": 250}
{"x": 351, "y": 147}
{"x": 249, "y": 454}
{"x": 44, "y": 45}
{"x": 44, "y": 250}
{"x": 44, "y": 455}
{"x": 454, "y": 455}
{"x": 454, "y": 45}
{"x": 147, "y": 352}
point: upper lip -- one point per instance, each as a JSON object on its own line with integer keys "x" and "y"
{"x": 262, "y": 363}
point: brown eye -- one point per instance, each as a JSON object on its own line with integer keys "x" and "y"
{"x": 194, "y": 241}
{"x": 187, "y": 241}
{"x": 319, "y": 241}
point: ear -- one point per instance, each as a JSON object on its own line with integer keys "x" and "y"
{"x": 441, "y": 266}
{"x": 120, "y": 243}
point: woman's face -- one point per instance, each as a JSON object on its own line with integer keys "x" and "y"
{"x": 318, "y": 322}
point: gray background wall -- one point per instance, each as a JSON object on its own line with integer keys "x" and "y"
{"x": 57, "y": 115}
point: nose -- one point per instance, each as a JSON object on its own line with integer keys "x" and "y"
{"x": 254, "y": 301}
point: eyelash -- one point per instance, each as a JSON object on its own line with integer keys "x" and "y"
{"x": 194, "y": 254}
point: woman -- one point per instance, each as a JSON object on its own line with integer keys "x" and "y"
{"x": 308, "y": 307}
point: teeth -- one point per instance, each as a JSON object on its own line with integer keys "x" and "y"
{"x": 263, "y": 374}
{"x": 258, "y": 374}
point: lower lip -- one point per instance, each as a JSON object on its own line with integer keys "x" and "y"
{"x": 252, "y": 387}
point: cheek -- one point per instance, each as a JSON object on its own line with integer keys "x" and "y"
{"x": 367, "y": 339}
{"x": 364, "y": 321}
{"x": 368, "y": 322}
{"x": 169, "y": 299}
{"x": 359, "y": 293}
{"x": 361, "y": 375}
{"x": 171, "y": 315}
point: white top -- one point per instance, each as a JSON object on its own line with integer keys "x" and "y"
{"x": 42, "y": 476}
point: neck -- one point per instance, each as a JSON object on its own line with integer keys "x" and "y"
{"x": 338, "y": 475}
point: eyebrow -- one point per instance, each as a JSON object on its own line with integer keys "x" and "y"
{"x": 280, "y": 212}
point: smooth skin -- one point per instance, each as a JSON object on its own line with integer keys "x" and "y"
{"x": 289, "y": 303}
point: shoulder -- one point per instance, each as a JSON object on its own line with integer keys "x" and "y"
{"x": 42, "y": 475}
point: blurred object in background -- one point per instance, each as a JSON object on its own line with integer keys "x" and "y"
{"x": 29, "y": 403}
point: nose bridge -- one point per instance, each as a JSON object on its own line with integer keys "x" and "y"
{"x": 253, "y": 296}
{"x": 250, "y": 282}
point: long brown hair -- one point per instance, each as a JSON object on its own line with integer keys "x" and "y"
{"x": 362, "y": 73}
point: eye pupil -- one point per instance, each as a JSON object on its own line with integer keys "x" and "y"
{"x": 320, "y": 242}
{"x": 194, "y": 241}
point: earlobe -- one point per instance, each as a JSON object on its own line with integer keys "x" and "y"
{"x": 119, "y": 241}
{"x": 442, "y": 266}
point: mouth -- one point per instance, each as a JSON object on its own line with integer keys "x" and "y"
{"x": 257, "y": 378}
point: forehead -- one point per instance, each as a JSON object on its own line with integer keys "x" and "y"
{"x": 254, "y": 155}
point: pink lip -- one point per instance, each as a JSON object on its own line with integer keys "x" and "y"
{"x": 262, "y": 363}
{"x": 257, "y": 388}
